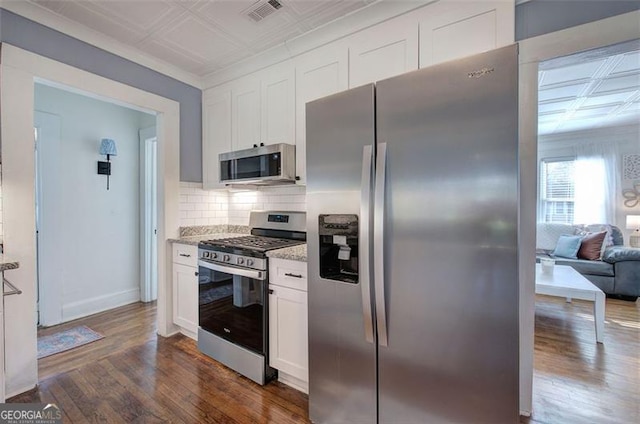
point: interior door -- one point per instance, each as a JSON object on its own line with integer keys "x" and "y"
{"x": 50, "y": 270}
{"x": 450, "y": 242}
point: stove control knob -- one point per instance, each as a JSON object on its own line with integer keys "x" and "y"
{"x": 240, "y": 261}
{"x": 226, "y": 258}
{"x": 249, "y": 262}
{"x": 214, "y": 255}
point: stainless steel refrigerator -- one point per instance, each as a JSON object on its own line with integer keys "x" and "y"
{"x": 412, "y": 194}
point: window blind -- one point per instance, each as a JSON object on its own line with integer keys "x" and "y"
{"x": 558, "y": 190}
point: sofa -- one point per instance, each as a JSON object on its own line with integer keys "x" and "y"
{"x": 617, "y": 273}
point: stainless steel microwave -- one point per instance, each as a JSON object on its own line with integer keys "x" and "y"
{"x": 264, "y": 165}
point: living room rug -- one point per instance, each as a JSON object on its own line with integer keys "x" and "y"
{"x": 66, "y": 340}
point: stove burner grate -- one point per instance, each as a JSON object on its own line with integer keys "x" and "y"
{"x": 254, "y": 242}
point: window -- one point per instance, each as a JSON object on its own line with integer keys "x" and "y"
{"x": 557, "y": 190}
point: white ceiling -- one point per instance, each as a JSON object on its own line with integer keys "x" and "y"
{"x": 589, "y": 92}
{"x": 199, "y": 36}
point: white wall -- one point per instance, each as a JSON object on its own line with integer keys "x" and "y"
{"x": 98, "y": 230}
{"x": 627, "y": 141}
{"x": 219, "y": 207}
{"x": 1, "y": 204}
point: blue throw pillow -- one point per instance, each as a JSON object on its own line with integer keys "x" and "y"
{"x": 568, "y": 246}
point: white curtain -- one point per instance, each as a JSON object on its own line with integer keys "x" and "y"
{"x": 595, "y": 182}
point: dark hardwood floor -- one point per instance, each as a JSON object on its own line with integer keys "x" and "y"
{"x": 134, "y": 376}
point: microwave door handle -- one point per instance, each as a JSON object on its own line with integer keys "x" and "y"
{"x": 378, "y": 244}
{"x": 249, "y": 273}
{"x": 365, "y": 225}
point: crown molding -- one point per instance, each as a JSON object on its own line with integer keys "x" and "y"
{"x": 66, "y": 26}
{"x": 375, "y": 13}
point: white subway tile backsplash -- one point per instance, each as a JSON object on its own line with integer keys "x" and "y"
{"x": 204, "y": 207}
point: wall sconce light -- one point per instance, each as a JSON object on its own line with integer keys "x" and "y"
{"x": 108, "y": 148}
{"x": 633, "y": 223}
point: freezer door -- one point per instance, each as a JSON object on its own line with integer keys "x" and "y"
{"x": 342, "y": 362}
{"x": 450, "y": 242}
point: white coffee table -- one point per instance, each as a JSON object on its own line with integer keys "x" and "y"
{"x": 569, "y": 283}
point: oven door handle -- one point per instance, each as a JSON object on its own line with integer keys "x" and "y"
{"x": 249, "y": 273}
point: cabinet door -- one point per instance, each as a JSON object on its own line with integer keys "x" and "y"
{"x": 319, "y": 73}
{"x": 216, "y": 128}
{"x": 456, "y": 29}
{"x": 384, "y": 51}
{"x": 185, "y": 297}
{"x": 278, "y": 104}
{"x": 288, "y": 339}
{"x": 245, "y": 116}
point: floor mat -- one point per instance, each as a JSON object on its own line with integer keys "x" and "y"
{"x": 66, "y": 340}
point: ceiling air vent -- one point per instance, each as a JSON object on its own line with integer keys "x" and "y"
{"x": 262, "y": 9}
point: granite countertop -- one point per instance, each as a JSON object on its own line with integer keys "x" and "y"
{"x": 7, "y": 264}
{"x": 196, "y": 234}
{"x": 194, "y": 240}
{"x": 294, "y": 253}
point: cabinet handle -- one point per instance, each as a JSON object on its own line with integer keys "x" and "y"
{"x": 185, "y": 255}
{"x": 270, "y": 291}
{"x": 196, "y": 273}
{"x": 288, "y": 274}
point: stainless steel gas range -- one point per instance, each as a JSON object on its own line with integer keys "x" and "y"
{"x": 233, "y": 292}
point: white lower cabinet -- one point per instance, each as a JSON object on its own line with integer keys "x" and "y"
{"x": 185, "y": 289}
{"x": 288, "y": 331}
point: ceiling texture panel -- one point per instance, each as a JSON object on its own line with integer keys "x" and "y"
{"x": 586, "y": 92}
{"x": 200, "y": 36}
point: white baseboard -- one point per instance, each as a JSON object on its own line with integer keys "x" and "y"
{"x": 294, "y": 382}
{"x": 189, "y": 333}
{"x": 20, "y": 391}
{"x": 97, "y": 304}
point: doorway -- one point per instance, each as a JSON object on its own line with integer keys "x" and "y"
{"x": 533, "y": 52}
{"x": 86, "y": 218}
{"x": 588, "y": 122}
{"x": 20, "y": 71}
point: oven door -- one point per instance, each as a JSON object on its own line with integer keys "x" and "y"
{"x": 231, "y": 304}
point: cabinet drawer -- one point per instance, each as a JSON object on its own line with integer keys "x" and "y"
{"x": 287, "y": 273}
{"x": 185, "y": 254}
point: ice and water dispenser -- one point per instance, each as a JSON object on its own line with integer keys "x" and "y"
{"x": 339, "y": 247}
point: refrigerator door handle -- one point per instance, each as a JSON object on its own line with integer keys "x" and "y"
{"x": 378, "y": 244}
{"x": 365, "y": 225}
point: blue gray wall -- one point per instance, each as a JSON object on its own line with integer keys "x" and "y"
{"x": 538, "y": 17}
{"x": 31, "y": 36}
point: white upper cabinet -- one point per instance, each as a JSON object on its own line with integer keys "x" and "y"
{"x": 319, "y": 73}
{"x": 216, "y": 134}
{"x": 383, "y": 51}
{"x": 268, "y": 106}
{"x": 454, "y": 29}
{"x": 245, "y": 116}
{"x": 278, "y": 104}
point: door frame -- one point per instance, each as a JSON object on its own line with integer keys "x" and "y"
{"x": 602, "y": 33}
{"x": 20, "y": 70}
